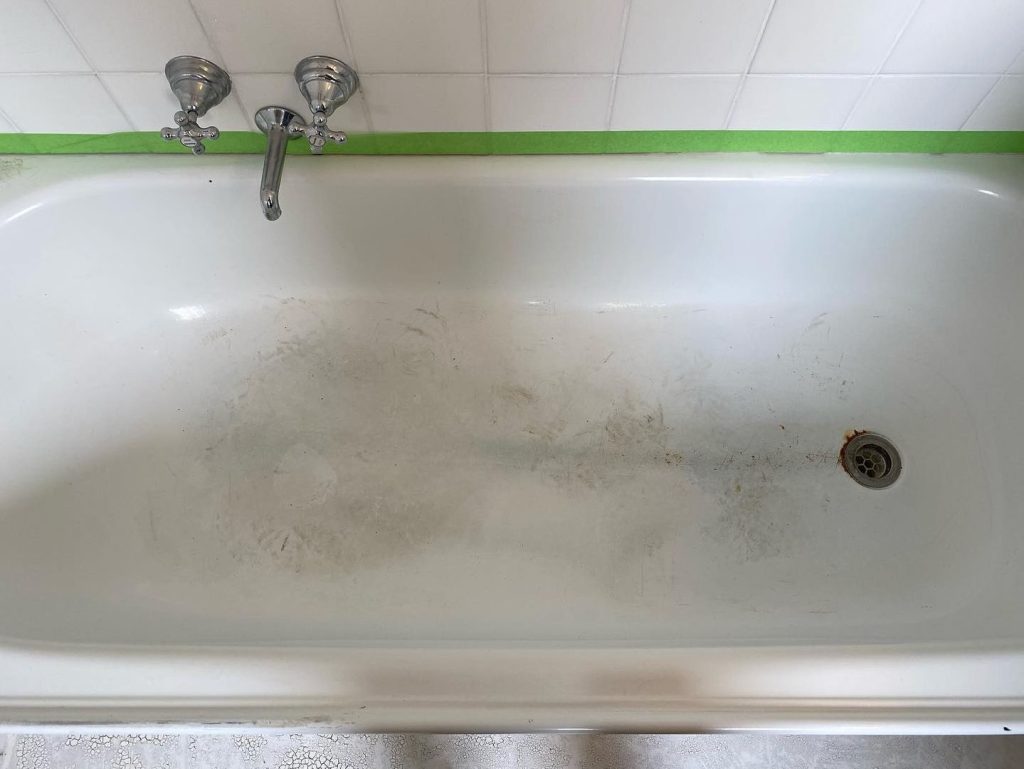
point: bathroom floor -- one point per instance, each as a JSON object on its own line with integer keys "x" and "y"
{"x": 484, "y": 751}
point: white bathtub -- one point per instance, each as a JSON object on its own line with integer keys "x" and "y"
{"x": 512, "y": 444}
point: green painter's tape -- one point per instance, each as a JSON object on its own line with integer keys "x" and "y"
{"x": 541, "y": 143}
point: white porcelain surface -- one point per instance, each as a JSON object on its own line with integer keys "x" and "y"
{"x": 562, "y": 36}
{"x": 270, "y": 35}
{"x": 425, "y": 102}
{"x": 85, "y": 106}
{"x": 956, "y": 36}
{"x": 550, "y": 103}
{"x": 923, "y": 103}
{"x": 837, "y": 36}
{"x": 652, "y": 102}
{"x": 1002, "y": 109}
{"x": 399, "y": 36}
{"x": 5, "y": 124}
{"x": 692, "y": 35}
{"x": 134, "y": 35}
{"x": 511, "y": 443}
{"x": 796, "y": 103}
{"x": 32, "y": 40}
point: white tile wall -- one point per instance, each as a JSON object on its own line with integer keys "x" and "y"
{"x": 1003, "y": 106}
{"x": 692, "y": 36}
{"x": 426, "y": 37}
{"x": 469, "y": 65}
{"x": 554, "y": 35}
{"x": 33, "y": 40}
{"x": 159, "y": 29}
{"x": 796, "y": 102}
{"x": 833, "y": 37}
{"x": 85, "y": 106}
{"x": 425, "y": 102}
{"x": 673, "y": 102}
{"x": 956, "y": 36}
{"x": 550, "y": 102}
{"x": 920, "y": 102}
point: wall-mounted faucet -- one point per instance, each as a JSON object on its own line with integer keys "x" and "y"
{"x": 200, "y": 85}
{"x": 326, "y": 83}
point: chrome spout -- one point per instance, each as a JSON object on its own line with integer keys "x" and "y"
{"x": 273, "y": 166}
{"x": 281, "y": 125}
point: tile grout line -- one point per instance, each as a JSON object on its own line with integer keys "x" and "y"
{"x": 881, "y": 65}
{"x": 347, "y": 39}
{"x": 208, "y": 36}
{"x": 1000, "y": 79}
{"x": 750, "y": 63}
{"x": 981, "y": 101}
{"x": 623, "y": 31}
{"x": 485, "y": 53}
{"x": 92, "y": 67}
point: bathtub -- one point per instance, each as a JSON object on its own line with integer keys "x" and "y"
{"x": 512, "y": 444}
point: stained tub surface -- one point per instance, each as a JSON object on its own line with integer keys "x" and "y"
{"x": 512, "y": 443}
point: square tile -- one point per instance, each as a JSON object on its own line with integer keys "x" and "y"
{"x": 149, "y": 103}
{"x": 777, "y": 102}
{"x": 692, "y": 36}
{"x": 415, "y": 36}
{"x": 269, "y": 35}
{"x": 954, "y": 36}
{"x": 550, "y": 103}
{"x": 76, "y": 104}
{"x": 1002, "y": 109}
{"x": 672, "y": 102}
{"x": 919, "y": 103}
{"x": 836, "y": 37}
{"x": 554, "y": 35}
{"x": 33, "y": 40}
{"x": 256, "y": 91}
{"x": 425, "y": 102}
{"x": 134, "y": 35}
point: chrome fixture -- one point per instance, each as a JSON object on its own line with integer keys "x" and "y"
{"x": 326, "y": 83}
{"x": 199, "y": 85}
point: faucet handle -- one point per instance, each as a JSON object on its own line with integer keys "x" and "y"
{"x": 189, "y": 132}
{"x": 326, "y": 83}
{"x": 199, "y": 85}
{"x": 319, "y": 134}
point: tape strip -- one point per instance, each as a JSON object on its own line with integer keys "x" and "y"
{"x": 541, "y": 143}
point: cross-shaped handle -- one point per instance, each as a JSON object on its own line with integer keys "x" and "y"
{"x": 189, "y": 132}
{"x": 319, "y": 134}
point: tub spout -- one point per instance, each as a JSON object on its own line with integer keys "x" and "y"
{"x": 273, "y": 166}
{"x": 281, "y": 125}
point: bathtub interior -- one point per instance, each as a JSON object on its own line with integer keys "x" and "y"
{"x": 510, "y": 401}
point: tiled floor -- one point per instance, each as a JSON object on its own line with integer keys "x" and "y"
{"x": 374, "y": 751}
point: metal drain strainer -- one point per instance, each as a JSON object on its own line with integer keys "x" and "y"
{"x": 871, "y": 460}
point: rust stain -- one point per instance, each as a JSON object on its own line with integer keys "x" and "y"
{"x": 848, "y": 436}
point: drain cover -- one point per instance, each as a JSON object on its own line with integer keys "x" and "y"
{"x": 871, "y": 460}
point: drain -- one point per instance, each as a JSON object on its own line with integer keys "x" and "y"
{"x": 871, "y": 460}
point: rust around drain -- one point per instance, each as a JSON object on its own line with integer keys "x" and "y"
{"x": 849, "y": 435}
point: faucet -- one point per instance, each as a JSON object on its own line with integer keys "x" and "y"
{"x": 326, "y": 83}
{"x": 199, "y": 85}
